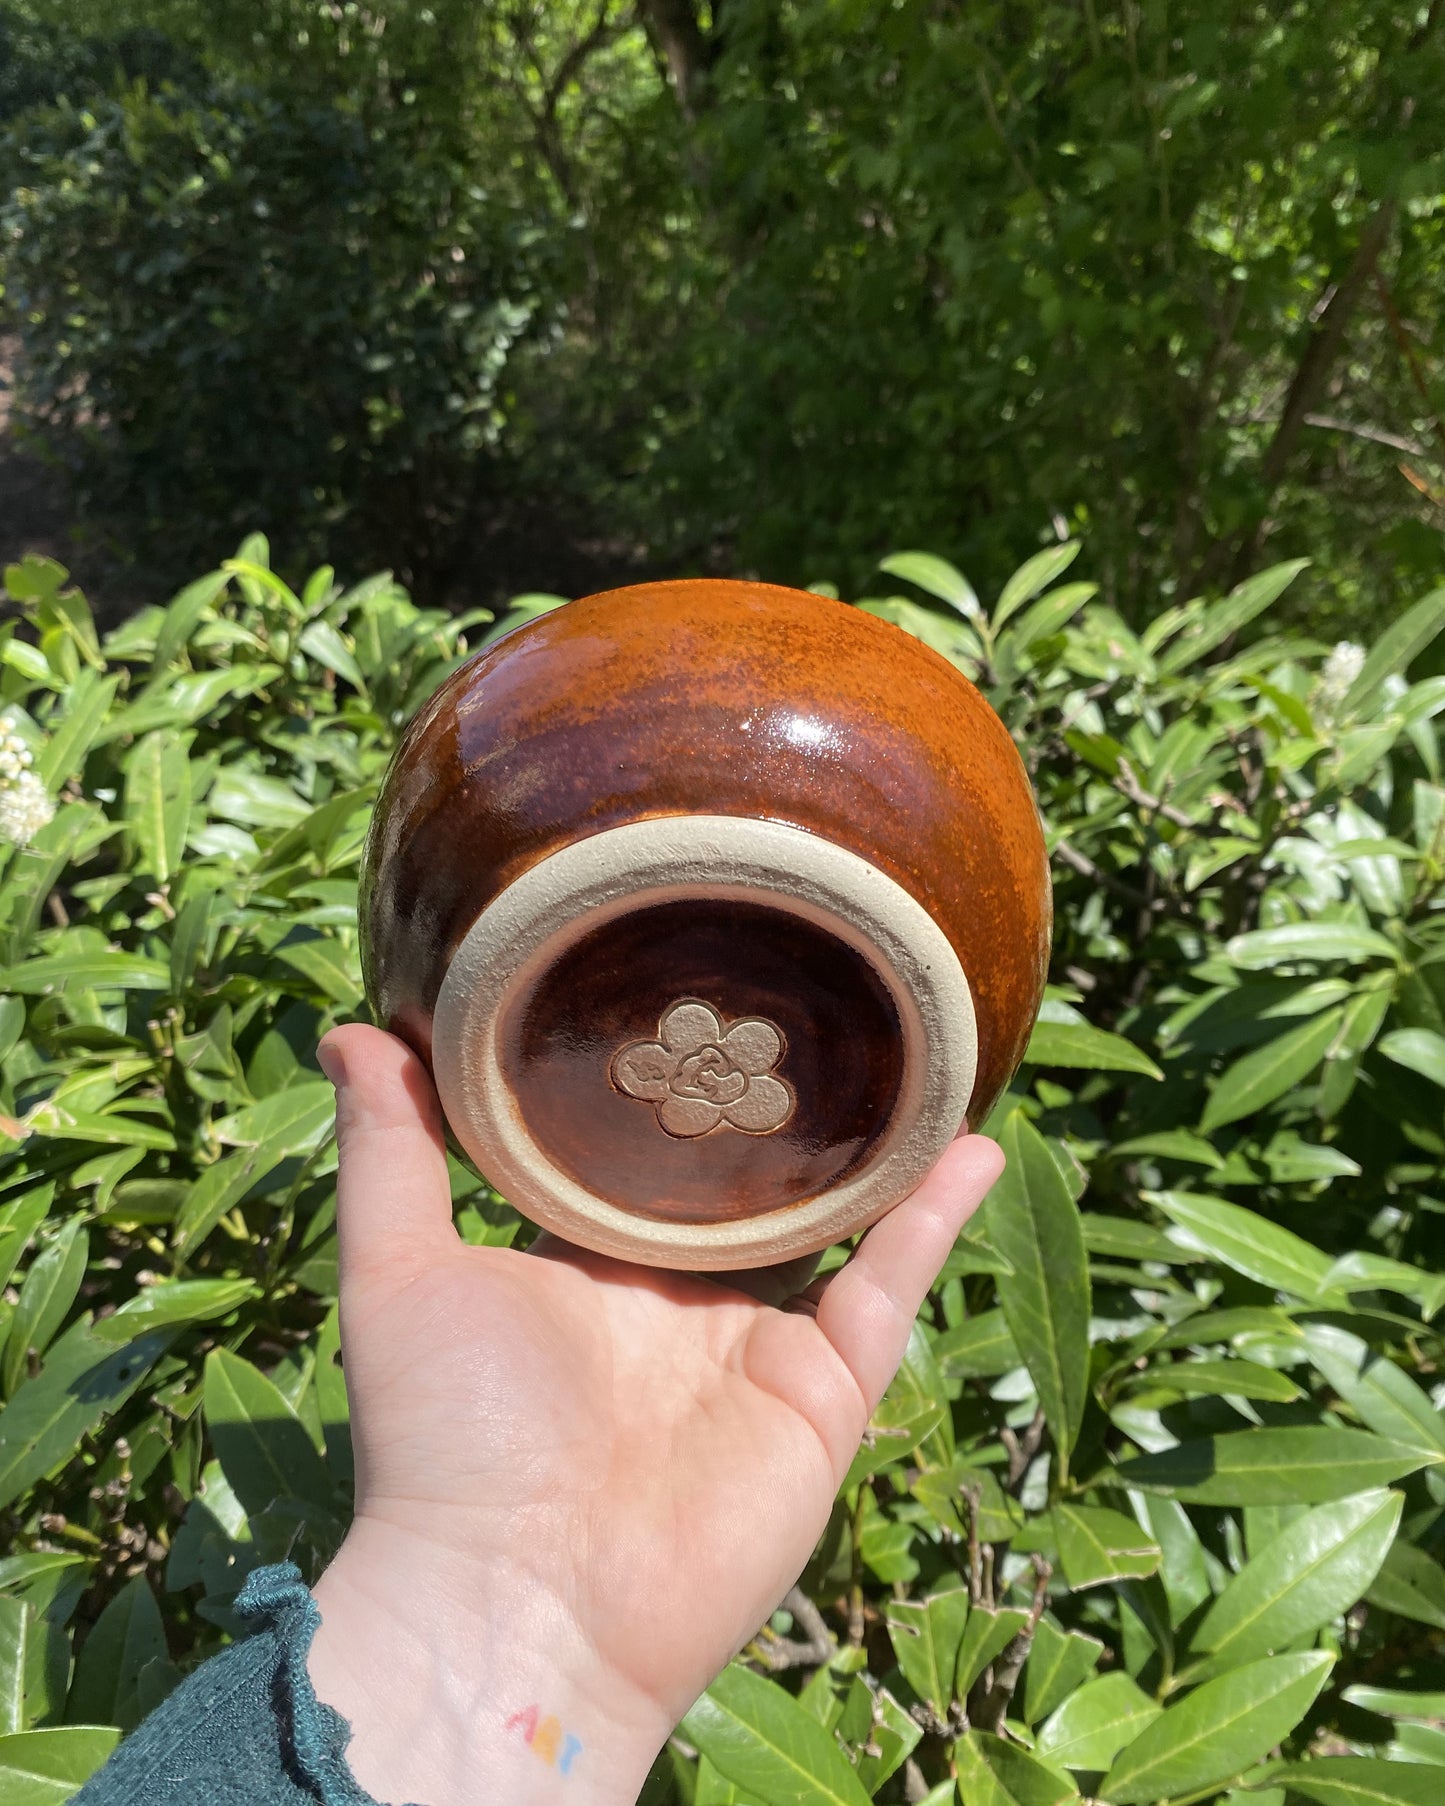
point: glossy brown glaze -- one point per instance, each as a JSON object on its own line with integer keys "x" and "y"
{"x": 711, "y": 698}
{"x": 836, "y": 1069}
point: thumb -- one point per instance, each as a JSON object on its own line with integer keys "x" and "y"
{"x": 393, "y": 1198}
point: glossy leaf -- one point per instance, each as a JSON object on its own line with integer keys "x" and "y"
{"x": 1059, "y": 1661}
{"x": 1092, "y": 1726}
{"x": 49, "y": 1291}
{"x": 82, "y": 1380}
{"x": 925, "y": 1635}
{"x": 1269, "y": 1071}
{"x": 1097, "y": 1545}
{"x": 1265, "y": 948}
{"x": 1273, "y": 1466}
{"x": 1076, "y": 1044}
{"x": 1245, "y": 1241}
{"x": 937, "y": 577}
{"x": 994, "y": 1773}
{"x": 1421, "y": 1049}
{"x": 158, "y": 800}
{"x": 1032, "y": 577}
{"x": 45, "y": 1767}
{"x": 1382, "y": 1396}
{"x": 127, "y": 1635}
{"x": 1218, "y": 1730}
{"x": 1034, "y": 1224}
{"x": 263, "y": 1449}
{"x": 761, "y": 1740}
{"x": 1308, "y": 1575}
{"x": 1361, "y": 1781}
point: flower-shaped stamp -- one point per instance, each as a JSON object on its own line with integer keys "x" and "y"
{"x": 701, "y": 1073}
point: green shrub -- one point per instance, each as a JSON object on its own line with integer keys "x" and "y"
{"x": 1154, "y": 1509}
{"x": 306, "y": 300}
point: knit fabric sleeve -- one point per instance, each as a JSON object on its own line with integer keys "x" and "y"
{"x": 245, "y": 1729}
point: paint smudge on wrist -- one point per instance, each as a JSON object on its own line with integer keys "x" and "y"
{"x": 555, "y": 1746}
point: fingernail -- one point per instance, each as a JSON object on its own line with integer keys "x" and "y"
{"x": 329, "y": 1059}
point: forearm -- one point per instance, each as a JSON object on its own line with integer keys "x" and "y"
{"x": 466, "y": 1680}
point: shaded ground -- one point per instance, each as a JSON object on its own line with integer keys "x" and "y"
{"x": 526, "y": 546}
{"x": 36, "y": 515}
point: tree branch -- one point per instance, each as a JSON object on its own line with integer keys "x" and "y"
{"x": 683, "y": 47}
{"x": 1327, "y": 337}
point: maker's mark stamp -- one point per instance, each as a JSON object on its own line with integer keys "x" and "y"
{"x": 701, "y": 1073}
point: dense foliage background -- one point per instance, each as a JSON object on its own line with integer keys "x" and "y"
{"x": 1156, "y": 1507}
{"x": 532, "y": 294}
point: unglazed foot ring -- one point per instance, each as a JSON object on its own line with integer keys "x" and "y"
{"x": 673, "y": 1120}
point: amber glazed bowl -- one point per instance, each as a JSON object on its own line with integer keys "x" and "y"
{"x": 716, "y": 910}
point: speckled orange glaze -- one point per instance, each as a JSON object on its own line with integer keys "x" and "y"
{"x": 720, "y": 698}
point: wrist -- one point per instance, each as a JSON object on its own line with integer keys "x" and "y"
{"x": 466, "y": 1680}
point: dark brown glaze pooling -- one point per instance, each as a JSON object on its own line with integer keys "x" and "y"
{"x": 843, "y": 1058}
{"x": 712, "y": 698}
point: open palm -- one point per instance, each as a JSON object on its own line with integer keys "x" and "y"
{"x": 651, "y": 1454}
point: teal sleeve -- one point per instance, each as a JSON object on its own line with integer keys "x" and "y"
{"x": 245, "y": 1729}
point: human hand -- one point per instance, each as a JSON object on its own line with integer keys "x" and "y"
{"x": 581, "y": 1486}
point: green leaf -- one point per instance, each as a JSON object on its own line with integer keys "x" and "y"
{"x": 1210, "y": 627}
{"x": 294, "y": 1120}
{"x": 994, "y": 1773}
{"x": 81, "y": 1382}
{"x": 18, "y": 1627}
{"x": 72, "y": 737}
{"x": 219, "y": 1188}
{"x": 158, "y": 801}
{"x": 761, "y": 1740}
{"x": 1245, "y": 1241}
{"x": 1217, "y": 1731}
{"x": 1397, "y": 648}
{"x": 18, "y": 1222}
{"x": 919, "y": 1382}
{"x": 260, "y": 1442}
{"x": 85, "y": 972}
{"x": 1090, "y": 1729}
{"x": 1172, "y": 1144}
{"x": 43, "y": 1768}
{"x": 1421, "y": 1049}
{"x": 1266, "y": 1073}
{"x": 1034, "y": 1224}
{"x": 1411, "y": 1585}
{"x": 1391, "y": 1703}
{"x": 986, "y": 1635}
{"x": 977, "y": 1348}
{"x": 1356, "y": 1272}
{"x": 49, "y": 1291}
{"x": 182, "y": 618}
{"x": 1097, "y": 1546}
{"x": 322, "y": 642}
{"x": 174, "y": 1301}
{"x": 188, "y": 939}
{"x": 1215, "y": 1379}
{"x": 126, "y": 1635}
{"x": 925, "y": 1635}
{"x": 1076, "y": 1044}
{"x": 1263, "y": 948}
{"x": 1315, "y": 1569}
{"x": 1386, "y": 1400}
{"x": 1360, "y": 1781}
{"x": 1292, "y": 1466}
{"x": 892, "y": 1738}
{"x": 1032, "y": 578}
{"x": 1058, "y": 1662}
{"x": 938, "y": 578}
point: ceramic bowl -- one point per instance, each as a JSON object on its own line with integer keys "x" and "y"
{"x": 716, "y": 910}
